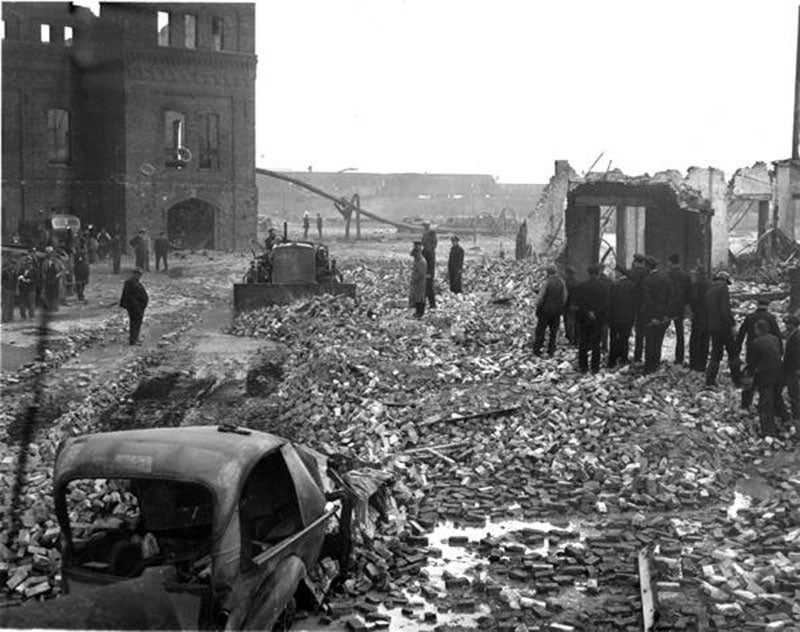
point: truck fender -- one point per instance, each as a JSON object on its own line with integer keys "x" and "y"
{"x": 273, "y": 595}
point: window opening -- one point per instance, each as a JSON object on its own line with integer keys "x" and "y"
{"x": 190, "y": 30}
{"x": 44, "y": 32}
{"x": 67, "y": 36}
{"x": 217, "y": 33}
{"x": 163, "y": 28}
{"x": 209, "y": 141}
{"x": 58, "y": 133}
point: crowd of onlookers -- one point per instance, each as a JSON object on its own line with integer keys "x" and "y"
{"x": 56, "y": 267}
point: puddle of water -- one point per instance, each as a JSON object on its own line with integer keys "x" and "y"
{"x": 459, "y": 561}
{"x": 747, "y": 490}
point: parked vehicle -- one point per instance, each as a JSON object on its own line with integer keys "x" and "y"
{"x": 185, "y": 528}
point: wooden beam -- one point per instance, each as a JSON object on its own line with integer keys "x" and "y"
{"x": 646, "y": 591}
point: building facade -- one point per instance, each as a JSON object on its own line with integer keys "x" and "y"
{"x": 141, "y": 117}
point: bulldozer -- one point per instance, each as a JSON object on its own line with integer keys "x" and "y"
{"x": 288, "y": 272}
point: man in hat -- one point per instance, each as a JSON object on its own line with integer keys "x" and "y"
{"x": 455, "y": 265}
{"x": 791, "y": 367}
{"x": 134, "y": 299}
{"x": 549, "y": 307}
{"x": 417, "y": 285}
{"x": 654, "y": 312}
{"x": 306, "y": 225}
{"x": 679, "y": 297}
{"x": 637, "y": 273}
{"x": 698, "y": 338}
{"x": 319, "y": 225}
{"x": 429, "y": 243}
{"x": 765, "y": 365}
{"x": 592, "y": 304}
{"x": 26, "y": 286}
{"x": 747, "y": 334}
{"x": 720, "y": 329}
{"x": 271, "y": 240}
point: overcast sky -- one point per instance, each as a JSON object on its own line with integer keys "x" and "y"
{"x": 505, "y": 87}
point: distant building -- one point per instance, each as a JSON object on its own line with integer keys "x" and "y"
{"x": 397, "y": 196}
{"x": 141, "y": 117}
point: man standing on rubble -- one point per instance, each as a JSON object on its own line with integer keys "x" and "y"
{"x": 698, "y": 338}
{"x": 747, "y": 334}
{"x": 134, "y": 299}
{"x": 455, "y": 265}
{"x": 549, "y": 307}
{"x": 791, "y": 368}
{"x": 654, "y": 314}
{"x": 429, "y": 243}
{"x": 592, "y": 304}
{"x": 720, "y": 329}
{"x": 621, "y": 316}
{"x": 306, "y": 225}
{"x": 766, "y": 367}
{"x": 319, "y": 225}
{"x": 679, "y": 298}
{"x": 637, "y": 273}
{"x": 419, "y": 272}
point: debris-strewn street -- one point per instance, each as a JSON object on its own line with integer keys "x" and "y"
{"x": 517, "y": 493}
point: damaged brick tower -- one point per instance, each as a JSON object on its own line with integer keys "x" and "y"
{"x": 141, "y": 117}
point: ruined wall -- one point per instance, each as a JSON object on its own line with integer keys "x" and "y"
{"x": 711, "y": 184}
{"x": 547, "y": 217}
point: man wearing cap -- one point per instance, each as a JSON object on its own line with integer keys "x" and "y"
{"x": 765, "y": 365}
{"x": 679, "y": 298}
{"x": 429, "y": 243}
{"x": 455, "y": 265}
{"x": 698, "y": 339}
{"x": 549, "y": 307}
{"x": 637, "y": 273}
{"x": 592, "y": 304}
{"x": 417, "y": 286}
{"x": 272, "y": 239}
{"x": 747, "y": 334}
{"x": 720, "y": 329}
{"x": 791, "y": 367}
{"x": 654, "y": 314}
{"x": 134, "y": 299}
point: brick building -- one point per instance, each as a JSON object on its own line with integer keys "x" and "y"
{"x": 142, "y": 116}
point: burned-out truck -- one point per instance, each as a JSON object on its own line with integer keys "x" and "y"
{"x": 212, "y": 527}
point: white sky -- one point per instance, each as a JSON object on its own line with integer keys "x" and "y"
{"x": 505, "y": 87}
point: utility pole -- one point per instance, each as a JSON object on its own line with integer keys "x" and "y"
{"x": 796, "y": 120}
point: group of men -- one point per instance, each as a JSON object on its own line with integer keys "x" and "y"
{"x": 141, "y": 251}
{"x": 601, "y": 314}
{"x": 423, "y": 270}
{"x": 53, "y": 270}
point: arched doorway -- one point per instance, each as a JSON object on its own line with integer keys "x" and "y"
{"x": 190, "y": 224}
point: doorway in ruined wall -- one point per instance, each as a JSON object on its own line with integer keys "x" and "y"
{"x": 190, "y": 224}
